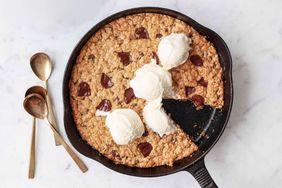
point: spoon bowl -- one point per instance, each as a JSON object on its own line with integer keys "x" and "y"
{"x": 36, "y": 89}
{"x": 36, "y": 106}
{"x": 41, "y": 65}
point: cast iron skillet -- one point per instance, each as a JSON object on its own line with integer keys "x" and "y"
{"x": 209, "y": 122}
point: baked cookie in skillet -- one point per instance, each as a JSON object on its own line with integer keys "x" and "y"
{"x": 100, "y": 81}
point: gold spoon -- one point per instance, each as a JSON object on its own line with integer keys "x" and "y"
{"x": 36, "y": 106}
{"x": 41, "y": 65}
{"x": 31, "y": 170}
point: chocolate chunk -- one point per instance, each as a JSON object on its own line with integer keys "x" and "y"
{"x": 146, "y": 133}
{"x": 174, "y": 140}
{"x": 105, "y": 105}
{"x": 125, "y": 58}
{"x": 106, "y": 81}
{"x": 128, "y": 95}
{"x": 196, "y": 60}
{"x": 91, "y": 57}
{"x": 202, "y": 82}
{"x": 156, "y": 57}
{"x": 189, "y": 90}
{"x": 114, "y": 153}
{"x": 158, "y": 35}
{"x": 145, "y": 148}
{"x": 141, "y": 33}
{"x": 189, "y": 35}
{"x": 198, "y": 100}
{"x": 83, "y": 89}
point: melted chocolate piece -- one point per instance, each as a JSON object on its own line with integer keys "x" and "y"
{"x": 146, "y": 133}
{"x": 159, "y": 35}
{"x": 198, "y": 100}
{"x": 189, "y": 90}
{"x": 128, "y": 95}
{"x": 141, "y": 33}
{"x": 174, "y": 140}
{"x": 125, "y": 58}
{"x": 202, "y": 82}
{"x": 83, "y": 89}
{"x": 156, "y": 57}
{"x": 106, "y": 81}
{"x": 145, "y": 148}
{"x": 105, "y": 105}
{"x": 114, "y": 153}
{"x": 91, "y": 57}
{"x": 196, "y": 60}
{"x": 189, "y": 35}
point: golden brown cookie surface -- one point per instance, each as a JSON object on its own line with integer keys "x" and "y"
{"x": 106, "y": 64}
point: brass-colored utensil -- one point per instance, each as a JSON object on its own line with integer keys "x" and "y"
{"x": 36, "y": 106}
{"x": 31, "y": 170}
{"x": 36, "y": 89}
{"x": 41, "y": 65}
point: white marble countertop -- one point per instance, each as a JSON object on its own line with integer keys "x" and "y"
{"x": 249, "y": 154}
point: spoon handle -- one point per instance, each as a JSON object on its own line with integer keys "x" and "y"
{"x": 76, "y": 159}
{"x": 51, "y": 116}
{"x": 31, "y": 169}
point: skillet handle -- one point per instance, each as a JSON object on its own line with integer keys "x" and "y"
{"x": 201, "y": 174}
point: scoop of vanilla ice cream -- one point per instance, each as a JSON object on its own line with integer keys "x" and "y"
{"x": 173, "y": 50}
{"x": 151, "y": 81}
{"x": 125, "y": 125}
{"x": 156, "y": 118}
